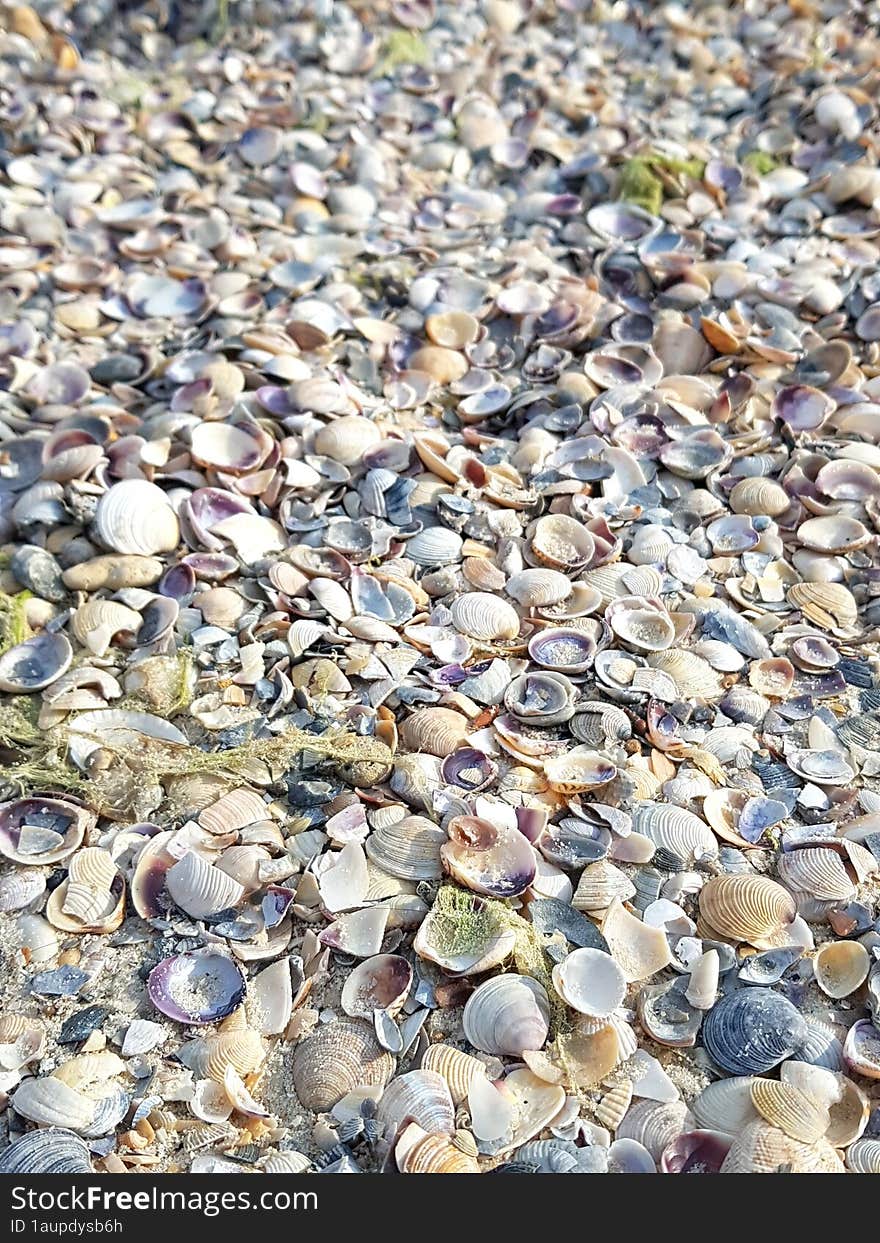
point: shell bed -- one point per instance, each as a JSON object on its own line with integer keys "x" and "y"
{"x": 439, "y": 587}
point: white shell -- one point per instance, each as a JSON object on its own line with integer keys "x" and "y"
{"x": 135, "y": 516}
{"x": 200, "y": 889}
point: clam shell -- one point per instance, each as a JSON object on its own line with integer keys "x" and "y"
{"x": 862, "y": 1158}
{"x": 654, "y": 1124}
{"x": 507, "y": 1014}
{"x": 379, "y": 983}
{"x": 420, "y": 1096}
{"x": 757, "y": 496}
{"x": 533, "y": 588}
{"x": 458, "y": 1069}
{"x": 613, "y": 1106}
{"x": 817, "y": 872}
{"x": 200, "y": 889}
{"x": 335, "y": 1060}
{"x": 599, "y": 884}
{"x": 417, "y": 1152}
{"x": 641, "y": 623}
{"x": 196, "y": 987}
{"x": 50, "y": 1102}
{"x": 409, "y": 848}
{"x": 748, "y": 908}
{"x": 486, "y": 859}
{"x": 35, "y": 664}
{"x": 135, "y": 517}
{"x": 752, "y": 1030}
{"x": 438, "y": 731}
{"x": 562, "y": 543}
{"x": 841, "y": 967}
{"x": 828, "y": 605}
{"x": 591, "y": 982}
{"x": 675, "y": 829}
{"x": 485, "y": 617}
{"x": 726, "y": 1106}
{"x": 48, "y": 1150}
{"x": 578, "y": 770}
{"x": 789, "y": 1109}
{"x": 38, "y": 831}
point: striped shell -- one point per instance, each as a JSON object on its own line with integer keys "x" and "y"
{"x": 200, "y": 889}
{"x": 420, "y": 1096}
{"x": 726, "y": 1105}
{"x": 864, "y": 1157}
{"x": 789, "y": 1109}
{"x": 439, "y": 731}
{"x": 485, "y": 617}
{"x": 829, "y": 605}
{"x": 96, "y": 623}
{"x": 747, "y": 907}
{"x": 507, "y": 1014}
{"x": 757, "y": 495}
{"x": 50, "y": 1102}
{"x": 750, "y": 1031}
{"x": 817, "y": 872}
{"x": 408, "y": 849}
{"x": 416, "y": 1152}
{"x": 337, "y": 1058}
{"x": 435, "y": 546}
{"x": 612, "y": 1108}
{"x": 458, "y": 1069}
{"x": 48, "y": 1150}
{"x": 675, "y": 829}
{"x": 654, "y": 1124}
{"x": 694, "y": 677}
{"x": 600, "y": 883}
{"x": 135, "y": 516}
{"x": 531, "y": 588}
{"x": 209, "y": 1056}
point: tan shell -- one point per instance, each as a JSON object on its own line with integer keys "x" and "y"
{"x": 726, "y": 1105}
{"x": 92, "y": 867}
{"x": 336, "y": 1059}
{"x": 578, "y": 769}
{"x": 87, "y": 1069}
{"x": 346, "y": 439}
{"x": 135, "y": 517}
{"x": 613, "y": 1106}
{"x": 417, "y": 1152}
{"x": 654, "y": 1124}
{"x": 96, "y": 624}
{"x": 694, "y": 676}
{"x": 841, "y": 967}
{"x": 760, "y": 1149}
{"x": 209, "y": 1056}
{"x": 485, "y": 617}
{"x": 457, "y": 1068}
{"x": 408, "y": 848}
{"x": 746, "y": 907}
{"x": 439, "y": 731}
{"x": 234, "y": 810}
{"x": 588, "y": 1056}
{"x": 86, "y": 910}
{"x": 50, "y": 1102}
{"x": 818, "y": 872}
{"x": 639, "y": 950}
{"x": 600, "y": 883}
{"x": 829, "y": 605}
{"x": 532, "y": 588}
{"x": 756, "y": 496}
{"x": 789, "y": 1109}
{"x": 642, "y": 623}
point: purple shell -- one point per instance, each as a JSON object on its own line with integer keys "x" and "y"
{"x": 469, "y": 769}
{"x": 695, "y": 1152}
{"x": 196, "y": 987}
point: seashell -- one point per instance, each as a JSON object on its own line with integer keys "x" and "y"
{"x": 769, "y": 967}
{"x": 379, "y": 983}
{"x": 416, "y": 1152}
{"x": 760, "y": 1149}
{"x": 50, "y": 1102}
{"x": 238, "y": 1047}
{"x": 533, "y": 588}
{"x": 726, "y": 1106}
{"x": 695, "y": 1152}
{"x": 562, "y": 543}
{"x": 817, "y": 872}
{"x": 196, "y": 987}
{"x": 39, "y": 831}
{"x": 347, "y": 439}
{"x": 591, "y": 982}
{"x": 19, "y": 888}
{"x": 200, "y": 889}
{"x": 675, "y": 829}
{"x": 861, "y": 1049}
{"x": 507, "y": 1014}
{"x": 469, "y": 769}
{"x": 694, "y": 677}
{"x": 435, "y": 546}
{"x": 752, "y": 1030}
{"x": 485, "y": 617}
{"x": 862, "y": 1158}
{"x": 654, "y": 1124}
{"x": 613, "y": 1106}
{"x": 135, "y": 517}
{"x": 359, "y": 933}
{"x": 841, "y": 967}
{"x": 459, "y": 1070}
{"x": 847, "y": 1105}
{"x": 335, "y": 1060}
{"x": 420, "y": 1096}
{"x": 702, "y": 989}
{"x": 438, "y": 731}
{"x": 35, "y": 664}
{"x": 578, "y": 770}
{"x": 639, "y": 950}
{"x": 748, "y": 908}
{"x": 148, "y": 879}
{"x": 408, "y": 848}
{"x": 642, "y": 623}
{"x": 48, "y": 1150}
{"x": 563, "y": 650}
{"x": 270, "y": 1000}
{"x": 542, "y": 699}
{"x": 487, "y": 859}
{"x": 759, "y": 496}
{"x": 828, "y": 605}
{"x": 789, "y": 1109}
{"x": 599, "y": 884}
{"x": 287, "y": 1162}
